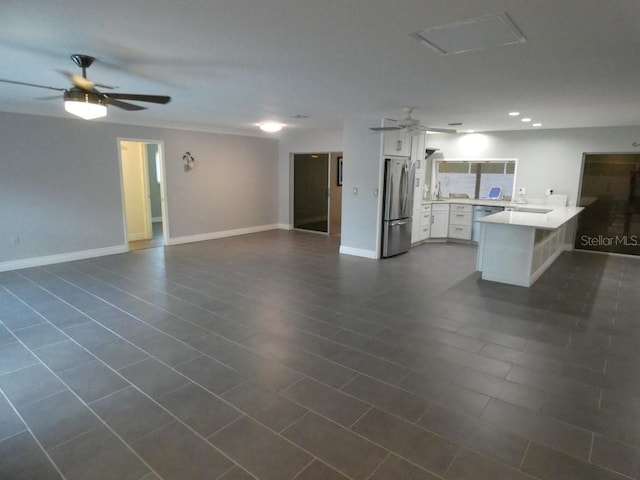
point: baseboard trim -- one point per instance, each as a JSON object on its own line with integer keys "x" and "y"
{"x": 358, "y": 252}
{"x": 285, "y": 226}
{"x": 223, "y": 234}
{"x": 60, "y": 258}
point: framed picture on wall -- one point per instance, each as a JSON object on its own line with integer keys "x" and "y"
{"x": 339, "y": 170}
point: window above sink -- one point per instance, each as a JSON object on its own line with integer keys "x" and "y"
{"x": 474, "y": 177}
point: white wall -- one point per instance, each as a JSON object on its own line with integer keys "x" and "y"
{"x": 296, "y": 141}
{"x": 546, "y": 158}
{"x": 361, "y": 212}
{"x": 60, "y": 187}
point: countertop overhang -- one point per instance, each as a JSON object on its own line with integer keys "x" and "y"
{"x": 552, "y": 220}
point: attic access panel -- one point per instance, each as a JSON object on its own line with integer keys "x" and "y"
{"x": 470, "y": 35}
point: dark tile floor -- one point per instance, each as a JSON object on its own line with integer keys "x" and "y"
{"x": 271, "y": 356}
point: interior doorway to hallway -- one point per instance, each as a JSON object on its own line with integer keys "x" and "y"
{"x": 317, "y": 192}
{"x": 143, "y": 193}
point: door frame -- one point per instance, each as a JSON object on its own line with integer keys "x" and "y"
{"x": 292, "y": 189}
{"x": 164, "y": 207}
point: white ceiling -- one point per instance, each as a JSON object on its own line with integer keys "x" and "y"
{"x": 229, "y": 64}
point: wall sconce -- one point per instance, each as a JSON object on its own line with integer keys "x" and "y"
{"x": 191, "y": 162}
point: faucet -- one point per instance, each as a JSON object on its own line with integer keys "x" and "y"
{"x": 439, "y": 194}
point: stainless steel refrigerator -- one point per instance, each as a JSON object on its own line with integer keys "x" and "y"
{"x": 399, "y": 175}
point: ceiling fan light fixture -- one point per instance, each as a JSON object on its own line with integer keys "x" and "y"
{"x": 270, "y": 127}
{"x": 85, "y": 105}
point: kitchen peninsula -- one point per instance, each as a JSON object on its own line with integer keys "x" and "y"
{"x": 517, "y": 245}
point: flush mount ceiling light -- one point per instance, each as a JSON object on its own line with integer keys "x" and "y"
{"x": 536, "y": 125}
{"x": 469, "y": 35}
{"x": 525, "y": 120}
{"x": 514, "y": 114}
{"x": 270, "y": 127}
{"x": 85, "y": 105}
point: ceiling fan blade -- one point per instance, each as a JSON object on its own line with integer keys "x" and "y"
{"x": 384, "y": 129}
{"x": 439, "y": 130}
{"x": 51, "y": 97}
{"x": 82, "y": 83}
{"x": 123, "y": 105}
{"x": 139, "y": 98}
{"x": 31, "y": 85}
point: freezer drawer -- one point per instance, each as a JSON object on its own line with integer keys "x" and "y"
{"x": 396, "y": 237}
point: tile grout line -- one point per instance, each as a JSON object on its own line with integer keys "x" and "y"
{"x": 375, "y": 470}
{"x": 524, "y": 455}
{"x": 169, "y": 412}
{"x": 80, "y": 399}
{"x": 35, "y": 439}
{"x": 88, "y": 406}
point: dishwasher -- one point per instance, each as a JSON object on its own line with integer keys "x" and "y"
{"x": 480, "y": 211}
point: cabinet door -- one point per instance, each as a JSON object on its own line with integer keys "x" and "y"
{"x": 425, "y": 224}
{"x": 416, "y": 227}
{"x": 439, "y": 224}
{"x": 417, "y": 192}
{"x": 396, "y": 142}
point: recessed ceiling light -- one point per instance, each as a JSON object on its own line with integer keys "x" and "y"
{"x": 536, "y": 125}
{"x": 455, "y": 124}
{"x": 514, "y": 114}
{"x": 471, "y": 131}
{"x": 526, "y": 119}
{"x": 271, "y": 127}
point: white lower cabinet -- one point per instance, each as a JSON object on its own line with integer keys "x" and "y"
{"x": 460, "y": 221}
{"x": 439, "y": 220}
{"x": 425, "y": 222}
{"x": 421, "y": 223}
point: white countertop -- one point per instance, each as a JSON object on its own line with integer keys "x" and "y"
{"x": 556, "y": 217}
{"x": 483, "y": 202}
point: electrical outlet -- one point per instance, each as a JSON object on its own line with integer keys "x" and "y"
{"x": 549, "y": 191}
{"x": 375, "y": 192}
{"x": 355, "y": 190}
{"x": 521, "y": 191}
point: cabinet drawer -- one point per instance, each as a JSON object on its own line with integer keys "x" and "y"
{"x": 463, "y": 232}
{"x": 440, "y": 207}
{"x": 457, "y": 218}
{"x": 425, "y": 219}
{"x": 459, "y": 208}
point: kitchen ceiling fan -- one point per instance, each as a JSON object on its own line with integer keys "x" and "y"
{"x": 412, "y": 125}
{"x": 84, "y": 100}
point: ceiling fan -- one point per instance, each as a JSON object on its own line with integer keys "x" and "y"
{"x": 412, "y": 125}
{"x": 84, "y": 100}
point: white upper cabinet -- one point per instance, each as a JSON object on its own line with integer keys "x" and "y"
{"x": 396, "y": 142}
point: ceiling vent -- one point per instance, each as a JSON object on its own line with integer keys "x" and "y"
{"x": 470, "y": 35}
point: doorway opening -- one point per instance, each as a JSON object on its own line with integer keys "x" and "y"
{"x": 317, "y": 192}
{"x": 143, "y": 193}
{"x": 610, "y": 195}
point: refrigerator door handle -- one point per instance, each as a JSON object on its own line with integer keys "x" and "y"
{"x": 403, "y": 188}
{"x": 395, "y": 223}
